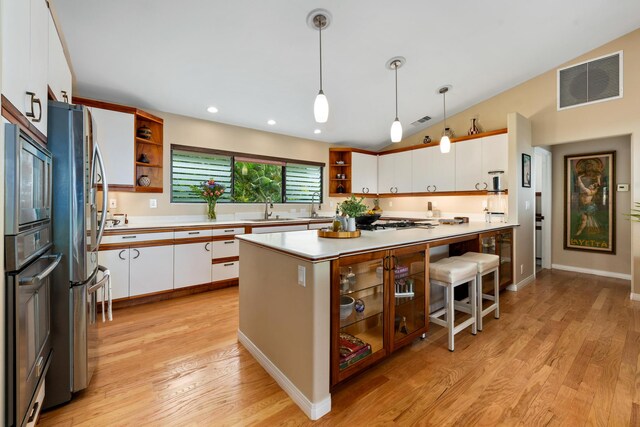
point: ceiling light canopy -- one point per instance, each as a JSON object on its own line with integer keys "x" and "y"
{"x": 271, "y": 122}
{"x": 319, "y": 19}
{"x": 445, "y": 142}
{"x": 212, "y": 109}
{"x": 317, "y": 131}
{"x": 396, "y": 126}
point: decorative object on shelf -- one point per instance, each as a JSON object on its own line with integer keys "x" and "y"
{"x": 353, "y": 207}
{"x": 426, "y": 140}
{"x": 319, "y": 19}
{"x": 396, "y": 126}
{"x": 346, "y": 306}
{"x": 351, "y": 277}
{"x": 143, "y": 158}
{"x": 339, "y": 162}
{"x": 376, "y": 206}
{"x": 144, "y": 181}
{"x": 359, "y": 306}
{"x": 445, "y": 141}
{"x": 352, "y": 349}
{"x": 210, "y": 191}
{"x": 340, "y": 189}
{"x": 344, "y": 283}
{"x": 590, "y": 202}
{"x": 474, "y": 129}
{"x": 144, "y": 132}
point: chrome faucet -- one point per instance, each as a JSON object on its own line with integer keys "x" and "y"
{"x": 314, "y": 214}
{"x": 267, "y": 205}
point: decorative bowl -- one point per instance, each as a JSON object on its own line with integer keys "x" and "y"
{"x": 367, "y": 219}
{"x": 346, "y": 306}
{"x": 144, "y": 132}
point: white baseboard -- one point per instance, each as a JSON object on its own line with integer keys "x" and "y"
{"x": 521, "y": 284}
{"x": 590, "y": 271}
{"x": 313, "y": 410}
{"x": 634, "y": 297}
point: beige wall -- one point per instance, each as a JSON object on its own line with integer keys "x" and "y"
{"x": 183, "y": 130}
{"x": 618, "y": 263}
{"x": 2, "y": 287}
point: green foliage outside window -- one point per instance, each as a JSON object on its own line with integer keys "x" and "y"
{"x": 255, "y": 182}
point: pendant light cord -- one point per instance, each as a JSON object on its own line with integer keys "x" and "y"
{"x": 444, "y": 107}
{"x": 320, "y": 24}
{"x": 396, "y": 70}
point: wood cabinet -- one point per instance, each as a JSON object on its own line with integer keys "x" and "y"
{"x": 476, "y": 158}
{"x": 25, "y": 38}
{"x": 364, "y": 173}
{"x": 433, "y": 171}
{"x": 59, "y": 72}
{"x": 394, "y": 173}
{"x": 124, "y": 148}
{"x": 339, "y": 164}
{"x": 499, "y": 242}
{"x": 379, "y": 303}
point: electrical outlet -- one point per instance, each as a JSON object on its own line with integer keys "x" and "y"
{"x": 521, "y": 268}
{"x": 390, "y": 203}
{"x": 153, "y": 203}
{"x": 331, "y": 204}
{"x": 113, "y": 203}
{"x": 302, "y": 273}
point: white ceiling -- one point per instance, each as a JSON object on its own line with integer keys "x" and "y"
{"x": 258, "y": 60}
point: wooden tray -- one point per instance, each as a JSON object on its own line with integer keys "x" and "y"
{"x": 339, "y": 234}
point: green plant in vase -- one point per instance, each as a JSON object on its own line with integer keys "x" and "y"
{"x": 353, "y": 207}
{"x": 210, "y": 191}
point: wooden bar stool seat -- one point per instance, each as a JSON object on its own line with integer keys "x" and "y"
{"x": 450, "y": 273}
{"x": 486, "y": 264}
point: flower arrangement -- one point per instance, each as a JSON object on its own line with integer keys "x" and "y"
{"x": 353, "y": 207}
{"x": 210, "y": 191}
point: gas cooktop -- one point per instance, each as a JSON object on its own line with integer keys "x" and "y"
{"x": 396, "y": 225}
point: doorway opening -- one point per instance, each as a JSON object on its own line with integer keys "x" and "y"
{"x": 542, "y": 184}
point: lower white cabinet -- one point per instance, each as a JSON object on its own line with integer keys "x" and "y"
{"x": 225, "y": 248}
{"x": 150, "y": 269}
{"x": 117, "y": 261}
{"x": 192, "y": 264}
{"x": 225, "y": 270}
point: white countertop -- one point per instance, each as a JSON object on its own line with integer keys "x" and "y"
{"x": 307, "y": 244}
{"x": 165, "y": 222}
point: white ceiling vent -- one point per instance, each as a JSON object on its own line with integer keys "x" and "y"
{"x": 596, "y": 80}
{"x": 421, "y": 121}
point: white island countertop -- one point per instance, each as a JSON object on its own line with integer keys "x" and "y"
{"x": 307, "y": 244}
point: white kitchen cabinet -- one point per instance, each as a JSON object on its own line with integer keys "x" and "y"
{"x": 394, "y": 173}
{"x": 192, "y": 264}
{"x": 25, "y": 35}
{"x": 225, "y": 271}
{"x": 433, "y": 171}
{"x": 150, "y": 269}
{"x": 59, "y": 72}
{"x": 117, "y": 261}
{"x": 225, "y": 249}
{"x": 475, "y": 158}
{"x": 115, "y": 135}
{"x": 364, "y": 173}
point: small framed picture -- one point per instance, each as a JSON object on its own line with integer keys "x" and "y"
{"x": 526, "y": 170}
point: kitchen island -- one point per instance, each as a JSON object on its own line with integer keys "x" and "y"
{"x": 289, "y": 314}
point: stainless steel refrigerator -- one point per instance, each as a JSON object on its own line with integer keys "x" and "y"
{"x": 77, "y": 173}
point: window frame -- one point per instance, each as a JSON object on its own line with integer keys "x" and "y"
{"x": 246, "y": 157}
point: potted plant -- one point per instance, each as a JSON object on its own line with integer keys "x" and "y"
{"x": 210, "y": 191}
{"x": 352, "y": 208}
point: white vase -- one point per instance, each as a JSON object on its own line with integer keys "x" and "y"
{"x": 351, "y": 224}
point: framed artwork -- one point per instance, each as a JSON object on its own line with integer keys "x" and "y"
{"x": 589, "y": 202}
{"x": 526, "y": 170}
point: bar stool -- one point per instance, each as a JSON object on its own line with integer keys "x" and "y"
{"x": 449, "y": 274}
{"x": 487, "y": 264}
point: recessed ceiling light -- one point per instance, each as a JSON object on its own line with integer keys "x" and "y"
{"x": 317, "y": 131}
{"x": 271, "y": 122}
{"x": 212, "y": 109}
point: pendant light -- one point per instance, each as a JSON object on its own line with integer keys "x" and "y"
{"x": 319, "y": 20}
{"x": 445, "y": 142}
{"x": 396, "y": 126}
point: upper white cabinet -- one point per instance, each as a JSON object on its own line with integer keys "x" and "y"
{"x": 432, "y": 170}
{"x": 25, "y": 38}
{"x": 115, "y": 135}
{"x": 364, "y": 173}
{"x": 394, "y": 173}
{"x": 476, "y": 158}
{"x": 59, "y": 72}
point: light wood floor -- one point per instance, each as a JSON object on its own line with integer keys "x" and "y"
{"x": 564, "y": 352}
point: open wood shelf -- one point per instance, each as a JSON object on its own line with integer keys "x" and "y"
{"x": 147, "y": 141}
{"x": 148, "y": 165}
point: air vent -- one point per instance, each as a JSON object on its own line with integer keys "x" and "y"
{"x": 423, "y": 120}
{"x": 596, "y": 80}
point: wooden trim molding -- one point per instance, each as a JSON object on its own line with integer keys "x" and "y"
{"x": 437, "y": 143}
{"x": 13, "y": 115}
{"x": 223, "y": 260}
{"x": 116, "y": 107}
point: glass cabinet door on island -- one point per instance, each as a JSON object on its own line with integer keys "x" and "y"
{"x": 410, "y": 295}
{"x": 499, "y": 243}
{"x": 358, "y": 315}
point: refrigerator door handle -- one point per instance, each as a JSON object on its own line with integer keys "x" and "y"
{"x": 105, "y": 194}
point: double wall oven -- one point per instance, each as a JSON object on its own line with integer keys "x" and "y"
{"x": 29, "y": 264}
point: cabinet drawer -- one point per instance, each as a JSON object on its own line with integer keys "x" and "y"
{"x": 225, "y": 248}
{"x": 192, "y": 233}
{"x": 139, "y": 237}
{"x": 225, "y": 271}
{"x": 319, "y": 225}
{"x": 227, "y": 231}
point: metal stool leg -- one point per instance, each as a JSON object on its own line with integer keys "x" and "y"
{"x": 474, "y": 306}
{"x": 450, "y": 317}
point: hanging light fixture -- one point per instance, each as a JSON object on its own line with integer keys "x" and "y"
{"x": 396, "y": 126}
{"x": 319, "y": 19}
{"x": 445, "y": 142}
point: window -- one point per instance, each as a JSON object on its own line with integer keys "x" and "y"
{"x": 248, "y": 179}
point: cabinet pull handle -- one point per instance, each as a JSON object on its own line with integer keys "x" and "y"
{"x": 32, "y": 114}
{"x": 206, "y": 247}
{"x": 435, "y": 188}
{"x": 34, "y": 411}
{"x": 65, "y": 97}
{"x": 485, "y": 186}
{"x": 137, "y": 254}
{"x": 428, "y": 188}
{"x": 395, "y": 261}
{"x": 229, "y": 242}
{"x": 477, "y": 183}
{"x": 120, "y": 255}
{"x": 99, "y": 179}
{"x": 229, "y": 264}
{"x": 194, "y": 232}
{"x": 39, "y": 366}
{"x": 229, "y": 231}
{"x": 385, "y": 263}
{"x": 129, "y": 237}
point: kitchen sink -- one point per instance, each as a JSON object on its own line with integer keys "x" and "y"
{"x": 273, "y": 219}
{"x": 315, "y": 217}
